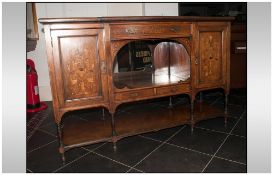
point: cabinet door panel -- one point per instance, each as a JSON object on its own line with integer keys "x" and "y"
{"x": 210, "y": 65}
{"x": 77, "y": 58}
{"x": 79, "y": 61}
{"x": 212, "y": 55}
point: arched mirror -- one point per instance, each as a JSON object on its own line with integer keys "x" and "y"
{"x": 151, "y": 63}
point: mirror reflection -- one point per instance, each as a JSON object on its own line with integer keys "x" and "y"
{"x": 151, "y": 63}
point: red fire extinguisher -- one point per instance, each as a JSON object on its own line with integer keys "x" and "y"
{"x": 33, "y": 99}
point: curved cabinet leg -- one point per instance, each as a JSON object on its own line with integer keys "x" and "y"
{"x": 192, "y": 115}
{"x": 61, "y": 148}
{"x": 170, "y": 102}
{"x": 226, "y": 109}
{"x": 103, "y": 114}
{"x": 192, "y": 100}
{"x": 201, "y": 97}
{"x": 114, "y": 133}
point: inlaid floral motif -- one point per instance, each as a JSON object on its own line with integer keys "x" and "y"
{"x": 80, "y": 62}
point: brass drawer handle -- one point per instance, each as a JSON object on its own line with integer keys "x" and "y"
{"x": 175, "y": 29}
{"x": 135, "y": 94}
{"x": 131, "y": 30}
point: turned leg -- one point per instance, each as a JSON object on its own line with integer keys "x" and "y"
{"x": 192, "y": 115}
{"x": 226, "y": 109}
{"x": 201, "y": 97}
{"x": 61, "y": 148}
{"x": 103, "y": 114}
{"x": 170, "y": 102}
{"x": 114, "y": 133}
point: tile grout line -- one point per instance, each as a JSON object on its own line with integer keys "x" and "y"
{"x": 70, "y": 163}
{"x": 93, "y": 151}
{"x": 49, "y": 123}
{"x": 212, "y": 130}
{"x": 230, "y": 160}
{"x": 46, "y": 132}
{"x": 89, "y": 151}
{"x": 177, "y": 146}
{"x": 41, "y": 146}
{"x": 156, "y": 148}
{"x": 94, "y": 148}
{"x": 192, "y": 150}
{"x": 116, "y": 161}
{"x": 29, "y": 170}
{"x": 215, "y": 101}
{"x": 222, "y": 143}
{"x": 219, "y": 131}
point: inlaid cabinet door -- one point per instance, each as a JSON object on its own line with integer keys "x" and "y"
{"x": 211, "y": 58}
{"x": 79, "y": 62}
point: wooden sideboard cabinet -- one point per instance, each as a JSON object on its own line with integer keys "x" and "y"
{"x": 92, "y": 64}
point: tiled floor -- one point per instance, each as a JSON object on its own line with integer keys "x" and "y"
{"x": 210, "y": 148}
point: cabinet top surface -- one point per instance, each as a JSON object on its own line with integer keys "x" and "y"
{"x": 133, "y": 18}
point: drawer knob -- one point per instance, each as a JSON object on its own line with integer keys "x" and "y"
{"x": 196, "y": 60}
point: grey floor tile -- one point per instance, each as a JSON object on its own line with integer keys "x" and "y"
{"x": 39, "y": 139}
{"x": 93, "y": 163}
{"x": 234, "y": 149}
{"x": 129, "y": 150}
{"x": 240, "y": 128}
{"x": 233, "y": 110}
{"x": 218, "y": 124}
{"x": 48, "y": 158}
{"x": 162, "y": 135}
{"x": 172, "y": 159}
{"x": 50, "y": 128}
{"x": 224, "y": 166}
{"x": 135, "y": 171}
{"x": 200, "y": 140}
{"x": 91, "y": 147}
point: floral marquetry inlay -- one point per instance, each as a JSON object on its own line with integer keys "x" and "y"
{"x": 210, "y": 56}
{"x": 80, "y": 65}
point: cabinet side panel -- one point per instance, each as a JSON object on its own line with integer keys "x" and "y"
{"x": 52, "y": 73}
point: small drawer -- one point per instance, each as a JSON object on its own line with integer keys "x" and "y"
{"x": 173, "y": 89}
{"x": 138, "y": 94}
{"x": 124, "y": 31}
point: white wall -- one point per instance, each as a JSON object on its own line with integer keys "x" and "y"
{"x": 161, "y": 9}
{"x": 124, "y": 9}
{"x": 55, "y": 10}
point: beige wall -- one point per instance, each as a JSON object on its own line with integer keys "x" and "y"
{"x": 48, "y": 10}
